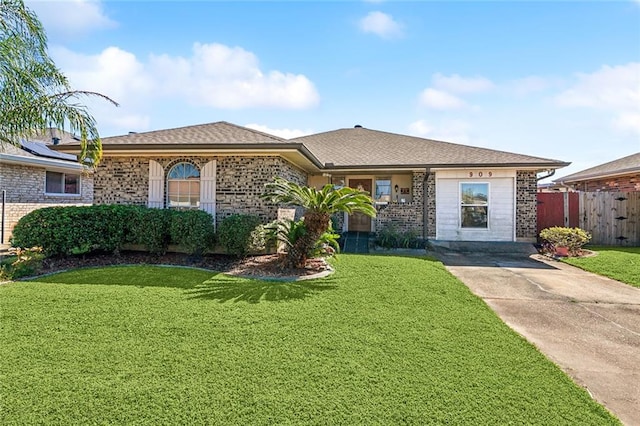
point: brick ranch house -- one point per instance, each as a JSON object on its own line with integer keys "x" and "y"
{"x": 444, "y": 191}
{"x": 33, "y": 176}
{"x": 619, "y": 175}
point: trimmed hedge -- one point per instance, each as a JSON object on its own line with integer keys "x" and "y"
{"x": 75, "y": 230}
{"x": 238, "y": 234}
{"x": 193, "y": 230}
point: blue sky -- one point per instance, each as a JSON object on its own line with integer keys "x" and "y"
{"x": 553, "y": 79}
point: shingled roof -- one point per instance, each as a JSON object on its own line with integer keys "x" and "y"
{"x": 359, "y": 147}
{"x": 624, "y": 165}
{"x": 217, "y": 133}
{"x": 354, "y": 148}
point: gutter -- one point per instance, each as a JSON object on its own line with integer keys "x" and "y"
{"x": 550, "y": 173}
{"x": 40, "y": 162}
{"x": 127, "y": 148}
{"x": 301, "y": 148}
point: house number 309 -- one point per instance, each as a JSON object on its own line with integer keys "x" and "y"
{"x": 480, "y": 174}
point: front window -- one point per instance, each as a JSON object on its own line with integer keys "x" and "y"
{"x": 62, "y": 183}
{"x": 474, "y": 205}
{"x": 183, "y": 186}
{"x": 337, "y": 182}
{"x": 383, "y": 190}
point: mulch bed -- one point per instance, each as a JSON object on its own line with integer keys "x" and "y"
{"x": 267, "y": 266}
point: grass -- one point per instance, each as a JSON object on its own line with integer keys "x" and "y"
{"x": 384, "y": 340}
{"x": 619, "y": 263}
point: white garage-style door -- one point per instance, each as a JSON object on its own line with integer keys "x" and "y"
{"x": 475, "y": 205}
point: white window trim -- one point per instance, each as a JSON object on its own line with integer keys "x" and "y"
{"x": 167, "y": 178}
{"x": 63, "y": 194}
{"x": 488, "y": 228}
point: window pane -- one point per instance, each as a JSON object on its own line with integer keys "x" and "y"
{"x": 183, "y": 186}
{"x": 71, "y": 184}
{"x": 475, "y": 193}
{"x": 184, "y": 171}
{"x": 54, "y": 183}
{"x": 383, "y": 190}
{"x": 474, "y": 216}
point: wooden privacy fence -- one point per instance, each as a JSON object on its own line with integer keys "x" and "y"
{"x": 612, "y": 218}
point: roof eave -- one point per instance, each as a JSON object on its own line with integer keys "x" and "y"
{"x": 532, "y": 166}
{"x": 598, "y": 175}
{"x": 41, "y": 162}
{"x": 199, "y": 148}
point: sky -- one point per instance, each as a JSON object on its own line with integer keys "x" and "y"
{"x": 553, "y": 79}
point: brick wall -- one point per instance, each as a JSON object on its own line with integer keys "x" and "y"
{"x": 409, "y": 216}
{"x": 615, "y": 184}
{"x": 430, "y": 194}
{"x": 239, "y": 181}
{"x": 526, "y": 206}
{"x": 24, "y": 186}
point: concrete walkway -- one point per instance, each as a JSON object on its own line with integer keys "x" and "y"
{"x": 587, "y": 324}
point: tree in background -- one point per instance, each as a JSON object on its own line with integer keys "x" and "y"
{"x": 34, "y": 94}
{"x": 319, "y": 205}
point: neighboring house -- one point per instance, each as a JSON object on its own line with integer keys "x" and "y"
{"x": 622, "y": 174}
{"x": 440, "y": 190}
{"x": 33, "y": 176}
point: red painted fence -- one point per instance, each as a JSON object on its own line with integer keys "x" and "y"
{"x": 558, "y": 209}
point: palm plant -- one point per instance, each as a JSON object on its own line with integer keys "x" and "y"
{"x": 34, "y": 94}
{"x": 319, "y": 205}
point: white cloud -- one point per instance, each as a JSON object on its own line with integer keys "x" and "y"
{"x": 440, "y": 100}
{"x": 420, "y": 128}
{"x": 614, "y": 89}
{"x": 444, "y": 91}
{"x": 283, "y": 133}
{"x": 230, "y": 77}
{"x": 213, "y": 76}
{"x": 71, "y": 17}
{"x": 381, "y": 24}
{"x": 457, "y": 84}
{"x": 610, "y": 87}
{"x": 113, "y": 72}
{"x": 456, "y": 131}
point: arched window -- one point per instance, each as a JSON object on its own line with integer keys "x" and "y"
{"x": 183, "y": 187}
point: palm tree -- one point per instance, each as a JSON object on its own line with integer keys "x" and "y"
{"x": 319, "y": 205}
{"x": 34, "y": 94}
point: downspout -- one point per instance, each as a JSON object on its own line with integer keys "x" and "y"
{"x": 550, "y": 173}
{"x": 4, "y": 199}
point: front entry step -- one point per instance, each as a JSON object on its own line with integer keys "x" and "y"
{"x": 354, "y": 242}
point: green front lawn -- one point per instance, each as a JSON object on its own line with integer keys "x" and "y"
{"x": 619, "y": 263}
{"x": 385, "y": 340}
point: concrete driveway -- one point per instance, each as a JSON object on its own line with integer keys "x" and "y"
{"x": 587, "y": 324}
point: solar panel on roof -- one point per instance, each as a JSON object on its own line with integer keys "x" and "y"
{"x": 40, "y": 149}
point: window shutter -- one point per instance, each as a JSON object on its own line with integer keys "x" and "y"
{"x": 156, "y": 185}
{"x": 208, "y": 188}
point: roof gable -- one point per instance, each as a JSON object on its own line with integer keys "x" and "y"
{"x": 219, "y": 132}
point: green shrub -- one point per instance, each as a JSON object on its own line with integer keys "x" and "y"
{"x": 572, "y": 238}
{"x": 74, "y": 230}
{"x": 390, "y": 237}
{"x": 151, "y": 228}
{"x": 62, "y": 231}
{"x": 238, "y": 234}
{"x": 21, "y": 263}
{"x": 287, "y": 232}
{"x": 192, "y": 230}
